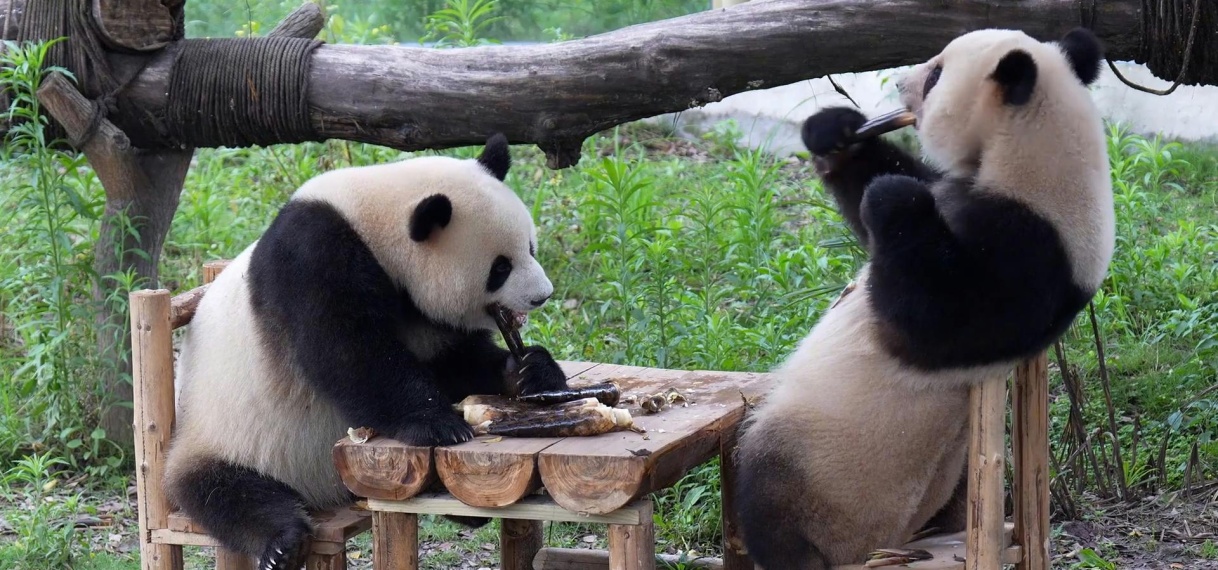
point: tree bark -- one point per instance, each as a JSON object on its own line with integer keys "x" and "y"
{"x": 558, "y": 94}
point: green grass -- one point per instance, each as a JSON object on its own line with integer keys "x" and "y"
{"x": 716, "y": 258}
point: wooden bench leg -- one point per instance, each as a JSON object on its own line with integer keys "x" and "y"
{"x": 161, "y": 557}
{"x": 519, "y": 543}
{"x": 395, "y": 541}
{"x": 987, "y": 454}
{"x": 1030, "y": 447}
{"x": 734, "y": 553}
{"x": 633, "y": 547}
{"x": 327, "y": 561}
{"x": 229, "y": 560}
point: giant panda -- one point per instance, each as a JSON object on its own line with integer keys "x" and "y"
{"x": 978, "y": 258}
{"x": 366, "y": 303}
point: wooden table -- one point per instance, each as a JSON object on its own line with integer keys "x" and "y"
{"x": 604, "y": 479}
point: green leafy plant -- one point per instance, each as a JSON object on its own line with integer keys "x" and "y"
{"x": 45, "y": 526}
{"x": 461, "y": 23}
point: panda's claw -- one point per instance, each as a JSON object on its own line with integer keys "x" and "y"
{"x": 446, "y": 428}
{"x": 542, "y": 373}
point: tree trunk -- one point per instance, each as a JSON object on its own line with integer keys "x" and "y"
{"x": 557, "y": 94}
{"x": 142, "y": 189}
{"x": 150, "y": 210}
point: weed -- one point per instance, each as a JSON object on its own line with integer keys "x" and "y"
{"x": 44, "y": 527}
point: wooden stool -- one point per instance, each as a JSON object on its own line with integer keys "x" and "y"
{"x": 154, "y": 316}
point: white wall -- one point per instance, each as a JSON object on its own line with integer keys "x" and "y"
{"x": 772, "y": 117}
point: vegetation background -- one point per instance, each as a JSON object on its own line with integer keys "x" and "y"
{"x": 665, "y": 251}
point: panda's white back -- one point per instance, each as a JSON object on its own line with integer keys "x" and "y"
{"x": 282, "y": 428}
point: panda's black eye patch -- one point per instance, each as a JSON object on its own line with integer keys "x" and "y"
{"x": 931, "y": 79}
{"x": 500, "y": 270}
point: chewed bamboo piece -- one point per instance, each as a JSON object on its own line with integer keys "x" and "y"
{"x": 476, "y": 413}
{"x": 608, "y": 393}
{"x": 499, "y": 415}
{"x": 560, "y": 423}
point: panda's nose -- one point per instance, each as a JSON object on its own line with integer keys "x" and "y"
{"x": 539, "y": 302}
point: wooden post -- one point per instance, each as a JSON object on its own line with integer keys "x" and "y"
{"x": 152, "y": 395}
{"x": 229, "y": 560}
{"x": 519, "y": 543}
{"x": 395, "y": 541}
{"x": 633, "y": 547}
{"x": 212, "y": 269}
{"x": 735, "y": 557}
{"x": 326, "y": 561}
{"x": 987, "y": 453}
{"x": 1030, "y": 446}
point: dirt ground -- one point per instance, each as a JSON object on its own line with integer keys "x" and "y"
{"x": 1165, "y": 532}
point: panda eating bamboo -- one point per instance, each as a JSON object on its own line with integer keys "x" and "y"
{"x": 979, "y": 259}
{"x": 370, "y": 301}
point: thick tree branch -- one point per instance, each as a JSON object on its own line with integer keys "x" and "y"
{"x": 556, "y": 95}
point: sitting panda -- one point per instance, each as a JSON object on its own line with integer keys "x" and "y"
{"x": 978, "y": 260}
{"x": 367, "y": 302}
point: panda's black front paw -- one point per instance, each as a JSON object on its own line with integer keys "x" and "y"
{"x": 442, "y": 428}
{"x": 538, "y": 372}
{"x": 831, "y": 130}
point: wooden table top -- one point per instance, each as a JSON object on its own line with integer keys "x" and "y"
{"x": 595, "y": 475}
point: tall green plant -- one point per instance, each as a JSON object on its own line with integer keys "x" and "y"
{"x": 52, "y": 206}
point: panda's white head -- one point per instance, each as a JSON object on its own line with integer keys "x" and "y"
{"x": 446, "y": 230}
{"x": 991, "y": 88}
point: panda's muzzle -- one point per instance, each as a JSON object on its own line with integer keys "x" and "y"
{"x": 885, "y": 123}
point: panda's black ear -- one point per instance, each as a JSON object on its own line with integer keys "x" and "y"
{"x": 496, "y": 157}
{"x": 1016, "y": 76}
{"x": 1084, "y": 52}
{"x": 433, "y": 212}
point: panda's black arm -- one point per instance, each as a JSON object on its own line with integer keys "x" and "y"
{"x": 847, "y": 180}
{"x": 993, "y": 285}
{"x": 475, "y": 365}
{"x": 478, "y": 366}
{"x": 846, "y": 169}
{"x": 327, "y": 305}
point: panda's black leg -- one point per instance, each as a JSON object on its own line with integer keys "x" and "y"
{"x": 246, "y": 511}
{"x": 954, "y": 515}
{"x": 774, "y": 527}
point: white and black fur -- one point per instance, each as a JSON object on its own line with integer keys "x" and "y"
{"x": 364, "y": 304}
{"x": 979, "y": 259}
